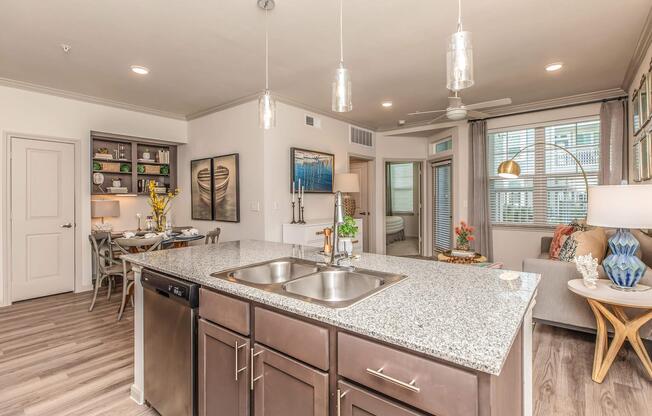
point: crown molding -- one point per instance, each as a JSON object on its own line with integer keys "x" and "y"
{"x": 279, "y": 98}
{"x": 642, "y": 46}
{"x": 28, "y": 86}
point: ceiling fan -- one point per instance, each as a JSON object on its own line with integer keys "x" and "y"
{"x": 456, "y": 110}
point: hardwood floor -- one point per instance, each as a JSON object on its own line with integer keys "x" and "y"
{"x": 56, "y": 358}
{"x": 563, "y": 362}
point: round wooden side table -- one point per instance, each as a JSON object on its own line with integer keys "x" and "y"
{"x": 607, "y": 302}
{"x": 461, "y": 260}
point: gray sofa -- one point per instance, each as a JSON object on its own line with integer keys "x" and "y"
{"x": 558, "y": 306}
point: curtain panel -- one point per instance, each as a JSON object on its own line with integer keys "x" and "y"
{"x": 479, "y": 211}
{"x": 614, "y": 149}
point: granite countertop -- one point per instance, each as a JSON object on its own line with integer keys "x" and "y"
{"x": 462, "y": 314}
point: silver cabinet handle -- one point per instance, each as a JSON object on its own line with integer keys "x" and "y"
{"x": 66, "y": 225}
{"x": 379, "y": 373}
{"x": 237, "y": 369}
{"x": 253, "y": 379}
{"x": 340, "y": 395}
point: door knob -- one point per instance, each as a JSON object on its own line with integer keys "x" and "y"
{"x": 66, "y": 225}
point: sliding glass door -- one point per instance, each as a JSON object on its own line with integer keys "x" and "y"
{"x": 442, "y": 206}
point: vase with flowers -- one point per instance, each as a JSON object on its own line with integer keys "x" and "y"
{"x": 464, "y": 233}
{"x": 160, "y": 204}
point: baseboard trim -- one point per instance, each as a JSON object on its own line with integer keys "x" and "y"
{"x": 137, "y": 395}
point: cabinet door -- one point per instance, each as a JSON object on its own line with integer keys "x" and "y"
{"x": 358, "y": 402}
{"x": 285, "y": 387}
{"x": 222, "y": 371}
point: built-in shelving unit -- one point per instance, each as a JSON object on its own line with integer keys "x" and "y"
{"x": 128, "y": 164}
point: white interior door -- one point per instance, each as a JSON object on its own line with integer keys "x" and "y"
{"x": 42, "y": 218}
{"x": 362, "y": 211}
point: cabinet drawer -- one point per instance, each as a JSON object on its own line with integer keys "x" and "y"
{"x": 424, "y": 384}
{"x": 298, "y": 339}
{"x": 355, "y": 401}
{"x": 224, "y": 310}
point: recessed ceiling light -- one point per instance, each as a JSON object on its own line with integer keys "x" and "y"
{"x": 140, "y": 70}
{"x": 387, "y": 104}
{"x": 554, "y": 67}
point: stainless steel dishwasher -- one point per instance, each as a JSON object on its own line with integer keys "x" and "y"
{"x": 170, "y": 356}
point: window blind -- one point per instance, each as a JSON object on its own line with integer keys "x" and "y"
{"x": 550, "y": 189}
{"x": 401, "y": 187}
{"x": 442, "y": 208}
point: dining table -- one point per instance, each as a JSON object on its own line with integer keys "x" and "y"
{"x": 176, "y": 240}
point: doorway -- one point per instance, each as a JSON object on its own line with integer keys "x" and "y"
{"x": 442, "y": 206}
{"x": 364, "y": 168}
{"x": 403, "y": 204}
{"x": 42, "y": 222}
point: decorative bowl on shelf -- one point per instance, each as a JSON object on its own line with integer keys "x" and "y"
{"x": 125, "y": 168}
{"x": 165, "y": 169}
{"x": 140, "y": 168}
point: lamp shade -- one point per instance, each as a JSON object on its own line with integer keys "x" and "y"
{"x": 347, "y": 182}
{"x": 509, "y": 169}
{"x": 105, "y": 208}
{"x": 459, "y": 61}
{"x": 620, "y": 206}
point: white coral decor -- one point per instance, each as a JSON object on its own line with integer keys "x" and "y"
{"x": 588, "y": 268}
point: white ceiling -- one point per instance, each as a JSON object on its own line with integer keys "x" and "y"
{"x": 206, "y": 53}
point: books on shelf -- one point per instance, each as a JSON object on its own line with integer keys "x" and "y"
{"x": 103, "y": 156}
{"x": 117, "y": 189}
{"x": 163, "y": 156}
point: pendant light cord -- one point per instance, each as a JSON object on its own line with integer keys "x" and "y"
{"x": 341, "y": 34}
{"x": 459, "y": 15}
{"x": 266, "y": 50}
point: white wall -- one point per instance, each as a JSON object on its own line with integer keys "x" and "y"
{"x": 512, "y": 245}
{"x": 234, "y": 130}
{"x": 35, "y": 114}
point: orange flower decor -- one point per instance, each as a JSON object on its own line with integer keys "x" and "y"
{"x": 464, "y": 235}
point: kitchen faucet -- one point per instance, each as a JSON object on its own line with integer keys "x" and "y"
{"x": 338, "y": 218}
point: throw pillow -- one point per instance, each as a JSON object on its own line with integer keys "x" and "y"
{"x": 561, "y": 231}
{"x": 646, "y": 246}
{"x": 581, "y": 243}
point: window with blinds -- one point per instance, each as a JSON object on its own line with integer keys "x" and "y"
{"x": 550, "y": 189}
{"x": 442, "y": 206}
{"x": 401, "y": 183}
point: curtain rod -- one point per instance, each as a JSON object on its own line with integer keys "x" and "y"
{"x": 604, "y": 100}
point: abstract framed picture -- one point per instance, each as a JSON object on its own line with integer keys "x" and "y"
{"x": 201, "y": 189}
{"x": 226, "y": 188}
{"x": 314, "y": 170}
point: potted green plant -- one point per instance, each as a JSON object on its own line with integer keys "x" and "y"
{"x": 346, "y": 233}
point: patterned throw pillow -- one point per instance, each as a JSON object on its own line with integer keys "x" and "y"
{"x": 581, "y": 243}
{"x": 561, "y": 231}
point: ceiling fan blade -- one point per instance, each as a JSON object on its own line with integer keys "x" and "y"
{"x": 437, "y": 118}
{"x": 417, "y": 113}
{"x": 476, "y": 114}
{"x": 487, "y": 104}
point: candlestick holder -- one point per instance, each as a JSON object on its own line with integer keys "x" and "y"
{"x": 293, "y": 220}
{"x": 301, "y": 220}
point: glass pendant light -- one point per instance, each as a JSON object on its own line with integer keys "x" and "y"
{"x": 342, "y": 82}
{"x": 459, "y": 57}
{"x": 266, "y": 102}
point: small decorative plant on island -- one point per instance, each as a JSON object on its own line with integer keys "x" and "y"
{"x": 464, "y": 235}
{"x": 160, "y": 204}
{"x": 346, "y": 232}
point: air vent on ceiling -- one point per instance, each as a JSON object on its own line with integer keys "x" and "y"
{"x": 313, "y": 121}
{"x": 361, "y": 136}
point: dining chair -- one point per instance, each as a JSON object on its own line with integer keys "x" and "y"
{"x": 107, "y": 266}
{"x": 213, "y": 236}
{"x": 130, "y": 246}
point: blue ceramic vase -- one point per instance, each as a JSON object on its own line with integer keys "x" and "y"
{"x": 622, "y": 266}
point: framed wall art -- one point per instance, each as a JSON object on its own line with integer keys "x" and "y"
{"x": 226, "y": 188}
{"x": 314, "y": 169}
{"x": 201, "y": 189}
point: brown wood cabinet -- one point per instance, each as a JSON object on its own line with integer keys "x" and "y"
{"x": 358, "y": 402}
{"x": 285, "y": 387}
{"x": 222, "y": 371}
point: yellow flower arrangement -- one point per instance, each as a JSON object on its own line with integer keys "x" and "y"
{"x": 160, "y": 204}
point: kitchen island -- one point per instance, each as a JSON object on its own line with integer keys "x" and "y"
{"x": 467, "y": 318}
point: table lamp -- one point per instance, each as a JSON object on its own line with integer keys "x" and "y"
{"x": 621, "y": 207}
{"x": 347, "y": 183}
{"x": 101, "y": 208}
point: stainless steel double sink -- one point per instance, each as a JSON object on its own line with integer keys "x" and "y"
{"x": 307, "y": 280}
